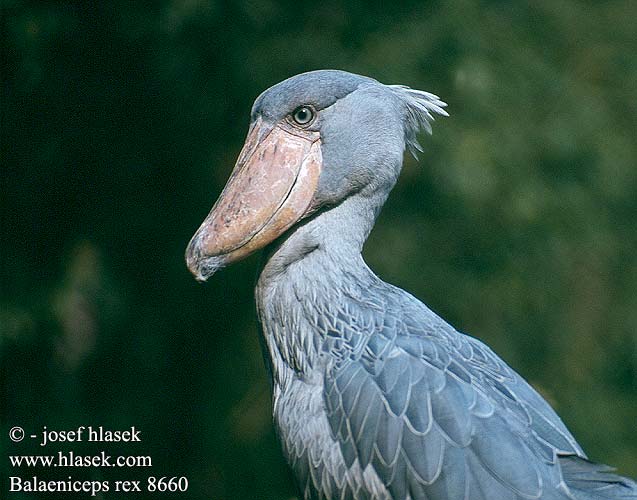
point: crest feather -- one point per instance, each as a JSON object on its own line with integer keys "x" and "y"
{"x": 421, "y": 107}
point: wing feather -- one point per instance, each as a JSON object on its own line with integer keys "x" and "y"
{"x": 437, "y": 415}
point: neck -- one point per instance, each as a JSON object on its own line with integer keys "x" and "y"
{"x": 304, "y": 278}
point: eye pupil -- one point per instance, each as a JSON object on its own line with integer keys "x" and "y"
{"x": 303, "y": 115}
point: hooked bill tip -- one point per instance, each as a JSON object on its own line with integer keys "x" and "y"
{"x": 201, "y": 266}
{"x": 206, "y": 267}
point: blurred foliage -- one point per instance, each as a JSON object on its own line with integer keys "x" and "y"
{"x": 121, "y": 121}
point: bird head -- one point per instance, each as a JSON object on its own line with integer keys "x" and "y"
{"x": 314, "y": 140}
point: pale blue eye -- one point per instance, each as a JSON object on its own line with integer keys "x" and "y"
{"x": 303, "y": 115}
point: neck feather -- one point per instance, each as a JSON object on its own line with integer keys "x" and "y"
{"x": 339, "y": 233}
{"x": 303, "y": 280}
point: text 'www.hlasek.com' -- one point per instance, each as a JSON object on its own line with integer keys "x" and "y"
{"x": 75, "y": 472}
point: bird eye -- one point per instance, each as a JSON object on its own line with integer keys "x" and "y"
{"x": 303, "y": 115}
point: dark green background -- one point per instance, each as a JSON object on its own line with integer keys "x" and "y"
{"x": 121, "y": 121}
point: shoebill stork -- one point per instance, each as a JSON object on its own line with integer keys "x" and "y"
{"x": 374, "y": 395}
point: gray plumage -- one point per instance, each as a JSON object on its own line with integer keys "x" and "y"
{"x": 375, "y": 396}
